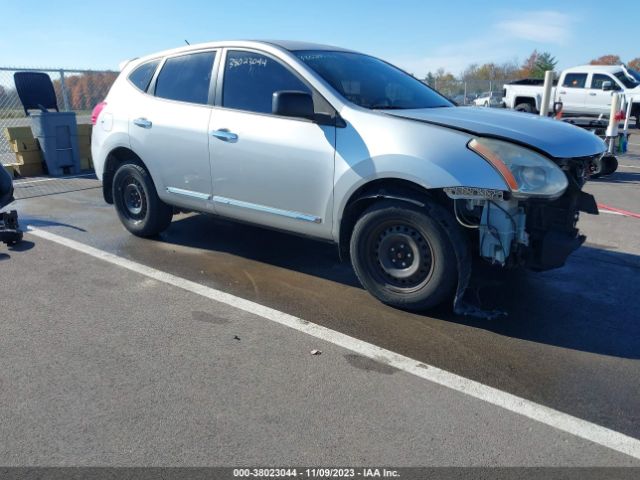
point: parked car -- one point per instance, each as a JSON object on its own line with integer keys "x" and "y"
{"x": 488, "y": 99}
{"x": 584, "y": 91}
{"x": 341, "y": 146}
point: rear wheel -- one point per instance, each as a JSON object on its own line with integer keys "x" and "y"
{"x": 140, "y": 209}
{"x": 524, "y": 107}
{"x": 403, "y": 256}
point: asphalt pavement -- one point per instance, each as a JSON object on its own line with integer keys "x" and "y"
{"x": 108, "y": 366}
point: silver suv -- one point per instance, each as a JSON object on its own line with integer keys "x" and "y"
{"x": 341, "y": 146}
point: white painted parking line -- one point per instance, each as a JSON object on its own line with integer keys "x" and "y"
{"x": 19, "y": 182}
{"x": 611, "y": 212}
{"x": 548, "y": 416}
{"x": 629, "y": 166}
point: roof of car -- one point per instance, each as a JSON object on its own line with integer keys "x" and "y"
{"x": 595, "y": 68}
{"x": 294, "y": 45}
{"x": 290, "y": 45}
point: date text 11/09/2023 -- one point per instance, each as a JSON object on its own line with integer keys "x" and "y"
{"x": 315, "y": 472}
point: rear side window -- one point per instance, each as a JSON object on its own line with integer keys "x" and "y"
{"x": 250, "y": 80}
{"x": 142, "y": 75}
{"x": 186, "y": 78}
{"x": 575, "y": 80}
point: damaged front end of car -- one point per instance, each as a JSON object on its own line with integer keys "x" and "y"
{"x": 533, "y": 223}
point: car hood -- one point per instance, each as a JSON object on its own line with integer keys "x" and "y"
{"x": 555, "y": 138}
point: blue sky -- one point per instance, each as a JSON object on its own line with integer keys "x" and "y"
{"x": 417, "y": 35}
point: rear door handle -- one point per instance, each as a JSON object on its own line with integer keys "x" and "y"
{"x": 143, "y": 122}
{"x": 593, "y": 94}
{"x": 563, "y": 93}
{"x": 225, "y": 135}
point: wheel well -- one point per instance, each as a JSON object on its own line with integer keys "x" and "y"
{"x": 383, "y": 189}
{"x": 116, "y": 158}
{"x": 528, "y": 100}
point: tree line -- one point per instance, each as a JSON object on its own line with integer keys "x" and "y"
{"x": 533, "y": 67}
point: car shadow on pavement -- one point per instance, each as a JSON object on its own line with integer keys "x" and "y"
{"x": 619, "y": 177}
{"x": 590, "y": 304}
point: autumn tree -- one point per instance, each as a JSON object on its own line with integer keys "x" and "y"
{"x": 536, "y": 64}
{"x": 635, "y": 64}
{"x": 606, "y": 60}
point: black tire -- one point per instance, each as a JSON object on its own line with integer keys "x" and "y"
{"x": 140, "y": 209}
{"x": 524, "y": 107}
{"x": 393, "y": 231}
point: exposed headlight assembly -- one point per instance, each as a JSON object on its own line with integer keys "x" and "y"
{"x": 527, "y": 173}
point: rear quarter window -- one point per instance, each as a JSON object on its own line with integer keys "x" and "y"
{"x": 186, "y": 78}
{"x": 575, "y": 80}
{"x": 142, "y": 75}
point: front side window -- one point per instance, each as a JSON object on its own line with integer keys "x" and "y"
{"x": 575, "y": 80}
{"x": 142, "y": 75}
{"x": 250, "y": 79}
{"x": 186, "y": 78}
{"x": 598, "y": 79}
{"x": 370, "y": 82}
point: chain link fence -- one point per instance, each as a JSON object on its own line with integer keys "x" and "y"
{"x": 76, "y": 90}
{"x": 464, "y": 92}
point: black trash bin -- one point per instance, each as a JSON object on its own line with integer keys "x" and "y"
{"x": 56, "y": 131}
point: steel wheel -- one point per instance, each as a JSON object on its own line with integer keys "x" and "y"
{"x": 401, "y": 256}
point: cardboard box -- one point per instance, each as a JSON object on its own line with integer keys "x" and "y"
{"x": 17, "y": 133}
{"x": 86, "y": 163}
{"x": 84, "y": 129}
{"x": 11, "y": 169}
{"x": 84, "y": 149}
{"x": 25, "y": 145}
{"x": 29, "y": 158}
{"x": 30, "y": 169}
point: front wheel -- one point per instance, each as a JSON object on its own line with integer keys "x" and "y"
{"x": 140, "y": 209}
{"x": 403, "y": 256}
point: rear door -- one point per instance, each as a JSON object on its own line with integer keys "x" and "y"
{"x": 599, "y": 101}
{"x": 268, "y": 169}
{"x": 168, "y": 128}
{"x": 572, "y": 93}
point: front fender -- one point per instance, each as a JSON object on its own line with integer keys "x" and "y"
{"x": 382, "y": 147}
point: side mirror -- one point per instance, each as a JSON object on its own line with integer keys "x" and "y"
{"x": 607, "y": 86}
{"x": 288, "y": 103}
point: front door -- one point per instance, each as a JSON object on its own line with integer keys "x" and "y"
{"x": 572, "y": 93}
{"x": 169, "y": 129}
{"x": 598, "y": 100}
{"x": 269, "y": 169}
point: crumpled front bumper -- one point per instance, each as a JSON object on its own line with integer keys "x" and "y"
{"x": 552, "y": 226}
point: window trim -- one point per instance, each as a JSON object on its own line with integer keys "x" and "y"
{"x": 332, "y": 120}
{"x": 160, "y": 61}
{"x": 586, "y": 77}
{"x": 151, "y": 90}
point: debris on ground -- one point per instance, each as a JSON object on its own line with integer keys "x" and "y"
{"x": 315, "y": 352}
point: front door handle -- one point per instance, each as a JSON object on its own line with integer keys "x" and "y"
{"x": 143, "y": 122}
{"x": 562, "y": 92}
{"x": 225, "y": 135}
{"x": 593, "y": 94}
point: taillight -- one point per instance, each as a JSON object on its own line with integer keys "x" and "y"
{"x": 96, "y": 112}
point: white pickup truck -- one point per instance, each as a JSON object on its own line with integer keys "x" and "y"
{"x": 584, "y": 91}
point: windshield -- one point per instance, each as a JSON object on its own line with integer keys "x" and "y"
{"x": 634, "y": 74}
{"x": 626, "y": 81}
{"x": 370, "y": 82}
